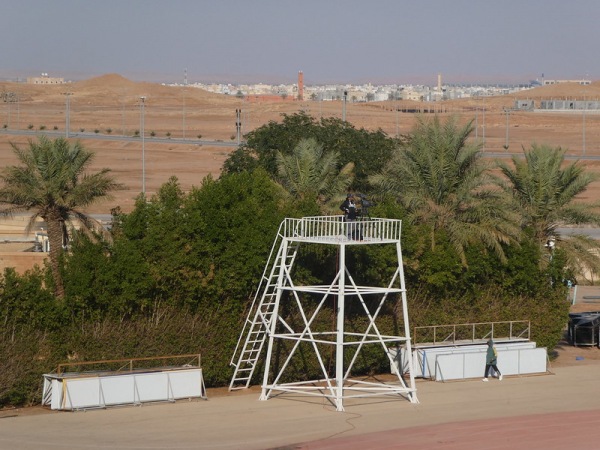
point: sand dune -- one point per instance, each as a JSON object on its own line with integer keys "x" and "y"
{"x": 110, "y": 105}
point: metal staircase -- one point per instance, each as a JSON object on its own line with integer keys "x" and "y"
{"x": 258, "y": 322}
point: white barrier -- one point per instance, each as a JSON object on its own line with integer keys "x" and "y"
{"x": 459, "y": 362}
{"x": 460, "y": 366}
{"x": 83, "y": 391}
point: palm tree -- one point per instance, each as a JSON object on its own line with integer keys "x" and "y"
{"x": 310, "y": 174}
{"x": 545, "y": 191}
{"x": 440, "y": 179}
{"x": 51, "y": 184}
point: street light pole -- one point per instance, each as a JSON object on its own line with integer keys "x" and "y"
{"x": 483, "y": 125}
{"x": 476, "y": 119}
{"x": 142, "y": 107}
{"x": 344, "y": 106}
{"x": 68, "y": 114}
{"x": 183, "y": 125}
{"x": 583, "y": 125}
{"x": 507, "y": 112}
{"x": 397, "y": 122}
{"x": 238, "y": 125}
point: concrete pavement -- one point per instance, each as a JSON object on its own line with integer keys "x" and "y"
{"x": 241, "y": 421}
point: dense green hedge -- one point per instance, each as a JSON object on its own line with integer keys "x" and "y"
{"x": 181, "y": 271}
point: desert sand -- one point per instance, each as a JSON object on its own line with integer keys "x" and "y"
{"x": 111, "y": 102}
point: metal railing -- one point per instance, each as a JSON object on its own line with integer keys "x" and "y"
{"x": 128, "y": 364}
{"x": 472, "y": 332}
{"x": 336, "y": 228}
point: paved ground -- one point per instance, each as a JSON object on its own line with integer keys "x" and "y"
{"x": 555, "y": 411}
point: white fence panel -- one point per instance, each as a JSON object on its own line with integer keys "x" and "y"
{"x": 82, "y": 393}
{"x": 531, "y": 361}
{"x": 118, "y": 389}
{"x": 458, "y": 362}
{"x": 152, "y": 387}
{"x": 78, "y": 391}
{"x": 184, "y": 383}
{"x": 450, "y": 367}
{"x": 456, "y": 366}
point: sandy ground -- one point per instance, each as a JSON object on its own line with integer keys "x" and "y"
{"x": 111, "y": 102}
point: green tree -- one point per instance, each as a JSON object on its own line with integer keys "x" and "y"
{"x": 230, "y": 226}
{"x": 545, "y": 191}
{"x": 310, "y": 174}
{"x": 441, "y": 181}
{"x": 368, "y": 150}
{"x": 51, "y": 184}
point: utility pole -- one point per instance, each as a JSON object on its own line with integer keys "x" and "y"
{"x": 345, "y": 99}
{"x": 507, "y": 112}
{"x": 476, "y": 117}
{"x": 583, "y": 124}
{"x": 238, "y": 125}
{"x": 68, "y": 113}
{"x": 142, "y": 112}
{"x": 183, "y": 112}
{"x": 483, "y": 125}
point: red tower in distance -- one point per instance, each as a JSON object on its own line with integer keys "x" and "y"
{"x": 300, "y": 86}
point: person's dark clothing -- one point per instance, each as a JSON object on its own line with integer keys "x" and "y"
{"x": 350, "y": 215}
{"x": 349, "y": 208}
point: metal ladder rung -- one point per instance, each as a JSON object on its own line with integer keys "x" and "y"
{"x": 254, "y": 348}
{"x": 267, "y": 308}
{"x": 261, "y": 314}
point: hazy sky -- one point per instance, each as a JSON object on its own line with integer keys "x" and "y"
{"x": 337, "y": 41}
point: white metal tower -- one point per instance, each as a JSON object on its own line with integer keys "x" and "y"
{"x": 269, "y": 317}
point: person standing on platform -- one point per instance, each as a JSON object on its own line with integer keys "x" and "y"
{"x": 350, "y": 215}
{"x": 491, "y": 360}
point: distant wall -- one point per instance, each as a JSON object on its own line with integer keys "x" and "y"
{"x": 21, "y": 261}
{"x": 269, "y": 98}
{"x": 579, "y": 105}
{"x": 45, "y": 80}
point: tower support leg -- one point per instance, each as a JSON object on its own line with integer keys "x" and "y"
{"x": 339, "y": 343}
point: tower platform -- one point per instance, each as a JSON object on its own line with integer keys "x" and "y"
{"x": 280, "y": 296}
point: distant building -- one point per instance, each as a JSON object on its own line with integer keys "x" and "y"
{"x": 45, "y": 79}
{"x": 570, "y": 105}
{"x": 411, "y": 94}
{"x": 582, "y": 82}
{"x": 524, "y": 105}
